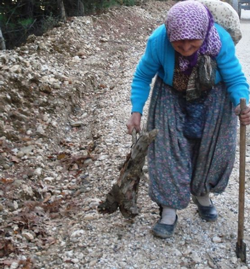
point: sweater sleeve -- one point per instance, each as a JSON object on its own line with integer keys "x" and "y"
{"x": 231, "y": 70}
{"x": 146, "y": 69}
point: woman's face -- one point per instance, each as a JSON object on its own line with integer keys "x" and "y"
{"x": 187, "y": 47}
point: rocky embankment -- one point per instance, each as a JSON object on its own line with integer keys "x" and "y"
{"x": 64, "y": 103}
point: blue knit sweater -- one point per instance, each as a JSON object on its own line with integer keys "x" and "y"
{"x": 159, "y": 58}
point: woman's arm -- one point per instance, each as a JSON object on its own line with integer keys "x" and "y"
{"x": 146, "y": 69}
{"x": 231, "y": 70}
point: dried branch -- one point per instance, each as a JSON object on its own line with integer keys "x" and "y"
{"x": 125, "y": 191}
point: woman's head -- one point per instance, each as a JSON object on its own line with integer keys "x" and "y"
{"x": 187, "y": 20}
{"x": 191, "y": 30}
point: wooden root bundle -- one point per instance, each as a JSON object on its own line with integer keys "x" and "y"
{"x": 125, "y": 191}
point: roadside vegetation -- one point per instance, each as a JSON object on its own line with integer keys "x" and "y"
{"x": 21, "y": 18}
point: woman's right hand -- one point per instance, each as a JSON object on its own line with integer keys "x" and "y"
{"x": 134, "y": 122}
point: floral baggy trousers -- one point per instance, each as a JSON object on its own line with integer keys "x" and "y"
{"x": 194, "y": 150}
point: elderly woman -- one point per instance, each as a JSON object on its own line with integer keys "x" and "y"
{"x": 194, "y": 103}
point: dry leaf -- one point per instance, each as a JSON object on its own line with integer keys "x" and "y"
{"x": 7, "y": 180}
{"x": 61, "y": 156}
{"x": 14, "y": 159}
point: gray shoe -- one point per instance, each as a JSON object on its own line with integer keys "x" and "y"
{"x": 164, "y": 230}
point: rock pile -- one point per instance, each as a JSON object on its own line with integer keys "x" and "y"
{"x": 64, "y": 102}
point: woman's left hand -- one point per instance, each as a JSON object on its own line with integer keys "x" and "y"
{"x": 244, "y": 115}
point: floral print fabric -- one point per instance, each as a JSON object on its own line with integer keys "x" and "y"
{"x": 180, "y": 164}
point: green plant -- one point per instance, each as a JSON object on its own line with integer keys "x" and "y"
{"x": 49, "y": 22}
{"x": 26, "y": 22}
{"x": 129, "y": 2}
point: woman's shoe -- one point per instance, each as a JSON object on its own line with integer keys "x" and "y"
{"x": 164, "y": 230}
{"x": 207, "y": 213}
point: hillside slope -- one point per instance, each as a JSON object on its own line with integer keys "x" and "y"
{"x": 64, "y": 103}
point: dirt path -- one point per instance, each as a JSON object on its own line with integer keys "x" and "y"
{"x": 64, "y": 106}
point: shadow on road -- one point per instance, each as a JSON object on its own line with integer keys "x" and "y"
{"x": 245, "y": 21}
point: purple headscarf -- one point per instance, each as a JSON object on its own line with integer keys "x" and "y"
{"x": 192, "y": 20}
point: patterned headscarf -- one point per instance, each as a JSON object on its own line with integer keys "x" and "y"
{"x": 192, "y": 20}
